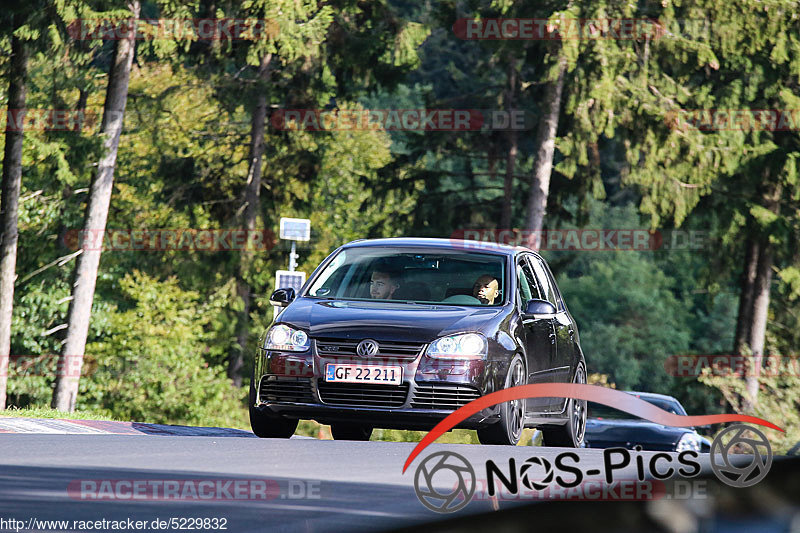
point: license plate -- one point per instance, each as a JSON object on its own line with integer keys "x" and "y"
{"x": 382, "y": 375}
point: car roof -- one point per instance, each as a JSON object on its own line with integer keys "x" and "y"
{"x": 653, "y": 395}
{"x": 463, "y": 244}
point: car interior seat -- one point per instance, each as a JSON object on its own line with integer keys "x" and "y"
{"x": 415, "y": 290}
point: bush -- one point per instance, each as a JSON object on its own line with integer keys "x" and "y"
{"x": 150, "y": 366}
{"x": 778, "y": 399}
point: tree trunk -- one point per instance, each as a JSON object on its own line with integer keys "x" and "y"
{"x": 543, "y": 166}
{"x": 12, "y": 181}
{"x": 508, "y": 182}
{"x": 760, "y": 302}
{"x": 511, "y": 156}
{"x": 252, "y": 207}
{"x": 745, "y": 315}
{"x": 758, "y": 329}
{"x": 80, "y": 308}
{"x": 491, "y": 156}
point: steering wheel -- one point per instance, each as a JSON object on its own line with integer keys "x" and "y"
{"x": 461, "y": 299}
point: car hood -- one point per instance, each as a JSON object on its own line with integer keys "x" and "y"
{"x": 633, "y": 431}
{"x": 383, "y": 320}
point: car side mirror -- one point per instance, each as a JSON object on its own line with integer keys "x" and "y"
{"x": 539, "y": 309}
{"x": 282, "y": 297}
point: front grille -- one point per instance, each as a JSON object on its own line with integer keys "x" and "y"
{"x": 347, "y": 348}
{"x": 286, "y": 390}
{"x": 659, "y": 447}
{"x": 449, "y": 396}
{"x": 362, "y": 395}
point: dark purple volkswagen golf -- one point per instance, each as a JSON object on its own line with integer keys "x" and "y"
{"x": 398, "y": 333}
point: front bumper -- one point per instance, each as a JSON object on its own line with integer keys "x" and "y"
{"x": 292, "y": 385}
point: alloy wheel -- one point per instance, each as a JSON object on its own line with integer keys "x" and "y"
{"x": 516, "y": 407}
{"x": 579, "y": 408}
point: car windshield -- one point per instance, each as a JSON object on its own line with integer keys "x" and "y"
{"x": 600, "y": 411}
{"x": 448, "y": 277}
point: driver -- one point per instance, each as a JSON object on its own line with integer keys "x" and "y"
{"x": 383, "y": 283}
{"x": 486, "y": 289}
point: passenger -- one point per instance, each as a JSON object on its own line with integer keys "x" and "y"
{"x": 384, "y": 282}
{"x": 486, "y": 289}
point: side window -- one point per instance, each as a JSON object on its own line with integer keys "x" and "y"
{"x": 546, "y": 282}
{"x": 527, "y": 283}
{"x": 560, "y": 301}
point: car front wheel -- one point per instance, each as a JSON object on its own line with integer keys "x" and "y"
{"x": 571, "y": 434}
{"x": 508, "y": 430}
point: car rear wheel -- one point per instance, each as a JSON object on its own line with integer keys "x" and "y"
{"x": 346, "y": 431}
{"x": 512, "y": 414}
{"x": 267, "y": 425}
{"x": 571, "y": 434}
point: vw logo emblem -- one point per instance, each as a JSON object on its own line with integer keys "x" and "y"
{"x": 367, "y": 347}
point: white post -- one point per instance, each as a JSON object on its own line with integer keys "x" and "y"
{"x": 292, "y": 257}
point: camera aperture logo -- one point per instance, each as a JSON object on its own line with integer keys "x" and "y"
{"x": 445, "y": 481}
{"x": 526, "y": 473}
{"x": 454, "y": 468}
{"x": 723, "y": 450}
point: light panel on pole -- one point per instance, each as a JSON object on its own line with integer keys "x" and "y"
{"x": 295, "y": 229}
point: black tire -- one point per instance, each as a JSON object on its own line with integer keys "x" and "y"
{"x": 266, "y": 425}
{"x": 348, "y": 431}
{"x": 508, "y": 430}
{"x": 571, "y": 434}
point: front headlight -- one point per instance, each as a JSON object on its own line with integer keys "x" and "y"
{"x": 283, "y": 338}
{"x": 465, "y": 346}
{"x": 688, "y": 442}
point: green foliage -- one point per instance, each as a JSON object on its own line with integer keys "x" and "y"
{"x": 164, "y": 322}
{"x": 150, "y": 365}
{"x": 636, "y": 309}
{"x": 778, "y": 400}
{"x": 629, "y": 316}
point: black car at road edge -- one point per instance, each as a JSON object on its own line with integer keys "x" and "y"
{"x": 609, "y": 428}
{"x": 336, "y": 355}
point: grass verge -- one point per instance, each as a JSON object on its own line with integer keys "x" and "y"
{"x": 47, "y": 412}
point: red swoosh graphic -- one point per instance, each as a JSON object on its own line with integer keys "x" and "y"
{"x": 592, "y": 393}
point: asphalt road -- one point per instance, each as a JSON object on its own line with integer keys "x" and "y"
{"x": 314, "y": 485}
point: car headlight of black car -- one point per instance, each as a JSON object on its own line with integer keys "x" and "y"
{"x": 463, "y": 346}
{"x": 283, "y": 338}
{"x": 688, "y": 442}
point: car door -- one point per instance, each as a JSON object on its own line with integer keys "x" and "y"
{"x": 562, "y": 322}
{"x": 539, "y": 335}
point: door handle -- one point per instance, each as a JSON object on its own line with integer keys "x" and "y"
{"x": 552, "y": 338}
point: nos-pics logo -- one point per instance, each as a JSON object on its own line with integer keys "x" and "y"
{"x": 445, "y": 481}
